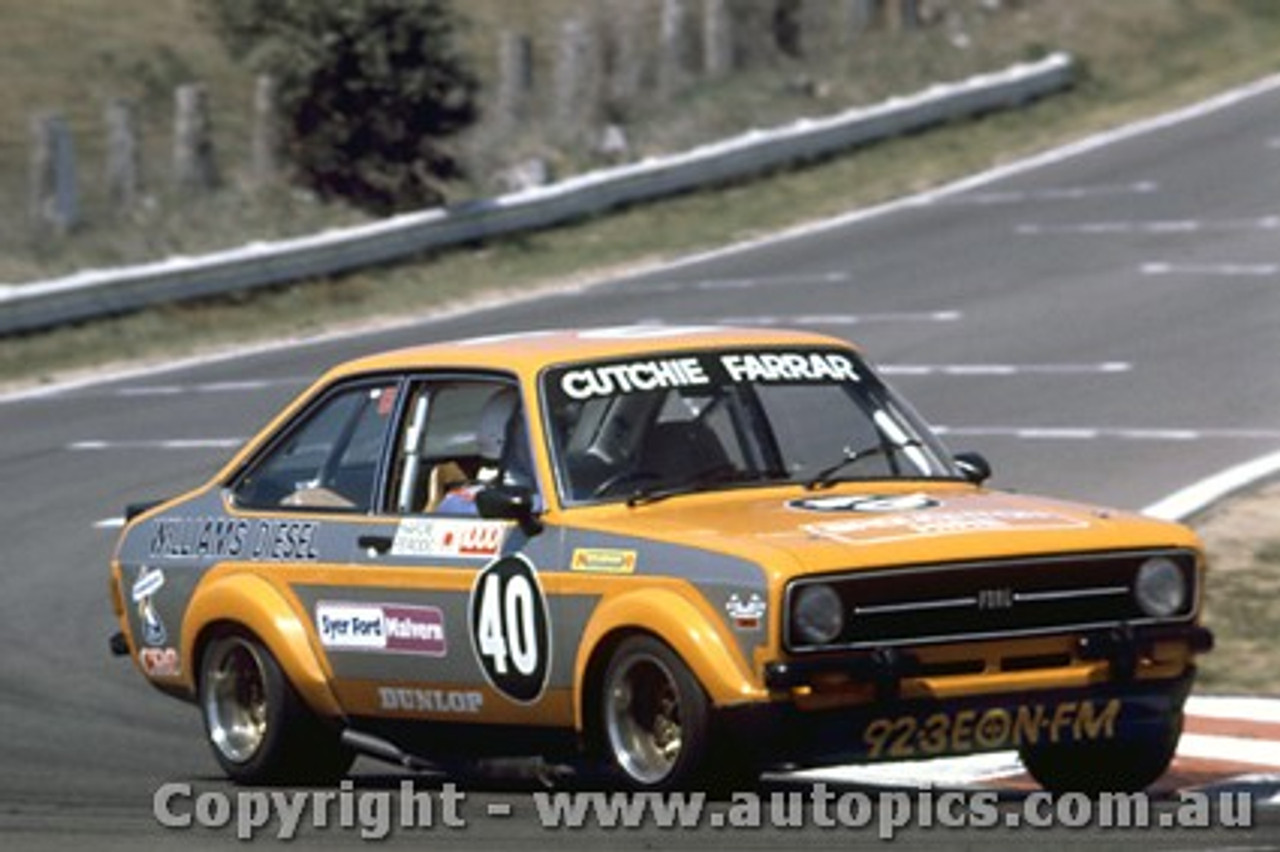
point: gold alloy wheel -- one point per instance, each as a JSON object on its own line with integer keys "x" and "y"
{"x": 642, "y": 718}
{"x": 235, "y": 698}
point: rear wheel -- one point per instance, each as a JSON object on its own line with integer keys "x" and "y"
{"x": 1111, "y": 767}
{"x": 260, "y": 729}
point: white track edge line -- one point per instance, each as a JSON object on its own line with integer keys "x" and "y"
{"x": 1199, "y": 496}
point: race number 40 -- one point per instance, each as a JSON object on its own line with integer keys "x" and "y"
{"x": 509, "y": 628}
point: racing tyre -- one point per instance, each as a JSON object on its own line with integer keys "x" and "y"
{"x": 260, "y": 729}
{"x": 1110, "y": 767}
{"x": 656, "y": 719}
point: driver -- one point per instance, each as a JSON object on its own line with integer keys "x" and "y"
{"x": 503, "y": 448}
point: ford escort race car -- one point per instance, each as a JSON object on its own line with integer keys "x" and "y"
{"x": 684, "y": 554}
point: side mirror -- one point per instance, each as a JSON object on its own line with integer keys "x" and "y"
{"x": 974, "y": 467}
{"x": 510, "y": 503}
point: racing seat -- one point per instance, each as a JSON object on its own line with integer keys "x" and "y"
{"x": 681, "y": 452}
{"x": 442, "y": 477}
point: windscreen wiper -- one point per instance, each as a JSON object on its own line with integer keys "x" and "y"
{"x": 827, "y": 476}
{"x": 652, "y": 494}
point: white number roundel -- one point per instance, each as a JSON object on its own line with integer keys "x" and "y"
{"x": 509, "y": 628}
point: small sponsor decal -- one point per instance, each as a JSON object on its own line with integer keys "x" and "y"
{"x": 746, "y": 613}
{"x": 145, "y": 586}
{"x": 150, "y": 581}
{"x": 602, "y": 560}
{"x": 449, "y": 538}
{"x": 908, "y": 525}
{"x": 866, "y": 503}
{"x": 386, "y": 399}
{"x": 160, "y": 662}
{"x": 382, "y": 628}
{"x": 234, "y": 538}
{"x": 400, "y": 699}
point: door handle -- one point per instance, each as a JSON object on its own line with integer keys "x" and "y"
{"x": 374, "y": 544}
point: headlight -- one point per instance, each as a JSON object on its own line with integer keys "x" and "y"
{"x": 817, "y": 615}
{"x": 1160, "y": 588}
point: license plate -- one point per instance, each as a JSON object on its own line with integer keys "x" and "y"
{"x": 990, "y": 729}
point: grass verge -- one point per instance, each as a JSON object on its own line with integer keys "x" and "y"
{"x": 1242, "y": 603}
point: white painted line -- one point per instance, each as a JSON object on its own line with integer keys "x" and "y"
{"x": 1076, "y": 433}
{"x": 237, "y": 386}
{"x": 946, "y": 771}
{"x": 1156, "y": 228}
{"x": 1234, "y": 749}
{"x": 231, "y": 386}
{"x": 748, "y": 283}
{"x": 1218, "y": 270}
{"x": 1067, "y": 193}
{"x": 1200, "y": 495}
{"x": 109, "y": 524}
{"x": 153, "y": 390}
{"x": 823, "y": 319}
{"x": 1104, "y": 368}
{"x": 1246, "y": 708}
{"x": 166, "y": 444}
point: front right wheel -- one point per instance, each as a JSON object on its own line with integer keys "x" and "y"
{"x": 1125, "y": 766}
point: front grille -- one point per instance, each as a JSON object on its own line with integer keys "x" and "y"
{"x": 957, "y": 602}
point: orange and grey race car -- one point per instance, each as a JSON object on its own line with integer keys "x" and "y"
{"x": 676, "y": 552}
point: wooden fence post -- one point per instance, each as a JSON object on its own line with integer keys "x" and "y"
{"x": 515, "y": 78}
{"x": 577, "y": 77}
{"x": 717, "y": 38}
{"x": 905, "y": 16}
{"x": 194, "y": 167}
{"x": 55, "y": 196}
{"x": 674, "y": 47}
{"x": 628, "y": 51}
{"x": 123, "y": 156}
{"x": 267, "y": 131}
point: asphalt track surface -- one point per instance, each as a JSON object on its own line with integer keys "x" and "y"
{"x": 1104, "y": 325}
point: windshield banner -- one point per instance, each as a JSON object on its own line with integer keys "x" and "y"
{"x": 705, "y": 368}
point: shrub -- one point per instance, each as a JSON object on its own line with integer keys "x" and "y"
{"x": 371, "y": 92}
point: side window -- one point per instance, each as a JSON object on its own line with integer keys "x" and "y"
{"x": 330, "y": 461}
{"x": 459, "y": 436}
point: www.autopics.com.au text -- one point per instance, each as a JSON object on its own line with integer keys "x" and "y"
{"x": 376, "y": 814}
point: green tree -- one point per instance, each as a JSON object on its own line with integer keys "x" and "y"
{"x": 371, "y": 91}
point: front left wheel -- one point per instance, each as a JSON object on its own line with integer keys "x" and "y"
{"x": 259, "y": 728}
{"x": 658, "y": 727}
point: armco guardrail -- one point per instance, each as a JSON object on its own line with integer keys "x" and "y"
{"x": 98, "y": 292}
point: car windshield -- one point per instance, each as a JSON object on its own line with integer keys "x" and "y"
{"x": 665, "y": 424}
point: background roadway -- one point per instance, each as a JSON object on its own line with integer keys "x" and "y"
{"x": 1105, "y": 327}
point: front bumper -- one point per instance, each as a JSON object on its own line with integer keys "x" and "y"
{"x": 782, "y": 736}
{"x": 1122, "y": 646}
{"x": 891, "y": 726}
